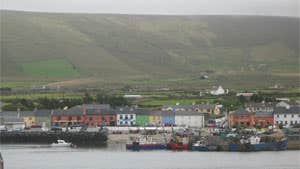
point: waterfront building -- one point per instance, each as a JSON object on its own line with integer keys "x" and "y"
{"x": 263, "y": 119}
{"x": 89, "y": 115}
{"x": 242, "y": 118}
{"x": 29, "y": 118}
{"x": 168, "y": 118}
{"x": 126, "y": 116}
{"x": 287, "y": 116}
{"x": 43, "y": 117}
{"x": 190, "y": 119}
{"x": 155, "y": 118}
{"x": 98, "y": 117}
{"x": 142, "y": 117}
{"x": 68, "y": 117}
{"x": 12, "y": 120}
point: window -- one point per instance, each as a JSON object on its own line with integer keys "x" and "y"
{"x": 126, "y": 117}
{"x": 131, "y": 116}
{"x": 291, "y": 122}
{"x": 296, "y": 122}
{"x": 292, "y": 115}
{"x": 111, "y": 118}
{"x": 281, "y": 122}
{"x": 285, "y": 122}
{"x": 278, "y": 115}
{"x": 91, "y": 118}
{"x": 126, "y": 122}
{"x": 78, "y": 118}
{"x": 277, "y": 122}
{"x": 131, "y": 123}
{"x": 58, "y": 117}
{"x": 121, "y": 117}
{"x": 121, "y": 123}
{"x": 284, "y": 116}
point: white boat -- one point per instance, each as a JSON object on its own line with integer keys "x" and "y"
{"x": 61, "y": 143}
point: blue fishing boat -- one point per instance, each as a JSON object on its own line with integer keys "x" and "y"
{"x": 145, "y": 143}
{"x": 254, "y": 144}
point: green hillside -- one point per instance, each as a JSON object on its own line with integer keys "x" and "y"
{"x": 136, "y": 47}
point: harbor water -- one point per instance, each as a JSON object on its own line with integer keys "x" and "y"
{"x": 114, "y": 156}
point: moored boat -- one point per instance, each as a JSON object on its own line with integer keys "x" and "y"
{"x": 178, "y": 146}
{"x": 145, "y": 143}
{"x": 202, "y": 145}
{"x": 61, "y": 143}
{"x": 254, "y": 143}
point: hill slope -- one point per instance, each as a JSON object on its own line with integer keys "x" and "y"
{"x": 136, "y": 46}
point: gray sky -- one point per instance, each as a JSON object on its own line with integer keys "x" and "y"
{"x": 181, "y": 7}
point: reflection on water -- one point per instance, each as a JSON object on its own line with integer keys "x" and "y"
{"x": 115, "y": 156}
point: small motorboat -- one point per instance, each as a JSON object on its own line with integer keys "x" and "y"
{"x": 61, "y": 143}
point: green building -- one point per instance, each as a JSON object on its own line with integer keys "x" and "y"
{"x": 142, "y": 117}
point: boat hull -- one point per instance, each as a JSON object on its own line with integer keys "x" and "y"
{"x": 178, "y": 146}
{"x": 137, "y": 147}
{"x": 204, "y": 148}
{"x": 273, "y": 146}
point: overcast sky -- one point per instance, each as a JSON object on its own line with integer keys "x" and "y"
{"x": 181, "y": 7}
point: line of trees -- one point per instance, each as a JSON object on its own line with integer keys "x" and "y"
{"x": 60, "y": 103}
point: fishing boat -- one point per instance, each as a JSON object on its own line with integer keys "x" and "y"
{"x": 202, "y": 145}
{"x": 61, "y": 143}
{"x": 178, "y": 143}
{"x": 145, "y": 143}
{"x": 178, "y": 146}
{"x": 254, "y": 143}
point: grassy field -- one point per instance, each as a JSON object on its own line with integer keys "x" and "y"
{"x": 50, "y": 68}
{"x": 41, "y": 95}
{"x": 175, "y": 101}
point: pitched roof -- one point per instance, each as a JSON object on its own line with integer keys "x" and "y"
{"x": 188, "y": 113}
{"x": 263, "y": 114}
{"x": 16, "y": 113}
{"x": 42, "y": 113}
{"x": 187, "y": 106}
{"x": 241, "y": 111}
{"x": 260, "y": 105}
{"x": 283, "y": 110}
{"x": 96, "y": 106}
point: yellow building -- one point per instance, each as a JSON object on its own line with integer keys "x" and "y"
{"x": 29, "y": 121}
{"x": 155, "y": 118}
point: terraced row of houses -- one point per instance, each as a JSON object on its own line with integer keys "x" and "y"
{"x": 253, "y": 115}
{"x": 267, "y": 114}
{"x": 103, "y": 115}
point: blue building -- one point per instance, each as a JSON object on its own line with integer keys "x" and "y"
{"x": 168, "y": 118}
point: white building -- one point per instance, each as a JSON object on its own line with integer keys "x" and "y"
{"x": 219, "y": 91}
{"x": 126, "y": 119}
{"x": 190, "y": 119}
{"x": 287, "y": 116}
{"x": 133, "y": 96}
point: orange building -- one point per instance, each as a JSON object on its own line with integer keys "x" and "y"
{"x": 242, "y": 118}
{"x": 89, "y": 115}
{"x": 263, "y": 119}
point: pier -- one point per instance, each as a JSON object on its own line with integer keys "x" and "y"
{"x": 77, "y": 138}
